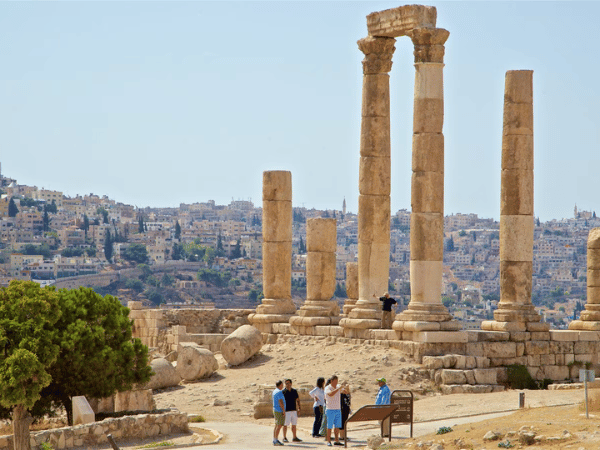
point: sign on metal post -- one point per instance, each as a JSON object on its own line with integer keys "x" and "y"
{"x": 585, "y": 376}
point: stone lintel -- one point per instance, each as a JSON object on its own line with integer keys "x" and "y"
{"x": 487, "y": 336}
{"x": 440, "y": 336}
{"x": 401, "y": 21}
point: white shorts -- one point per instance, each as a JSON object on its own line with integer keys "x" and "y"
{"x": 291, "y": 418}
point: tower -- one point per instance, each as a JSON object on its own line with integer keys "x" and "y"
{"x": 344, "y": 206}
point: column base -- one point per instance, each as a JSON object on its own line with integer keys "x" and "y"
{"x": 349, "y": 305}
{"x": 496, "y": 325}
{"x": 270, "y": 306}
{"x": 418, "y": 315}
{"x": 585, "y": 325}
{"x": 516, "y": 312}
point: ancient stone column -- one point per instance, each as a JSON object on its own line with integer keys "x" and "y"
{"x": 351, "y": 287}
{"x": 516, "y": 312}
{"x": 319, "y": 309}
{"x": 589, "y": 319}
{"x": 277, "y": 306}
{"x": 425, "y": 311}
{"x": 374, "y": 187}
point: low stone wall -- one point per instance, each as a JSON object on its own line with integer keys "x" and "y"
{"x": 263, "y": 408}
{"x": 137, "y": 427}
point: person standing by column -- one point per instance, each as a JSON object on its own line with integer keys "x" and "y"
{"x": 278, "y": 411}
{"x": 386, "y": 310}
{"x": 292, "y": 409}
{"x": 334, "y": 410}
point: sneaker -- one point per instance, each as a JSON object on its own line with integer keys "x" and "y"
{"x": 277, "y": 442}
{"x": 329, "y": 444}
{"x": 285, "y": 439}
{"x": 337, "y": 443}
{"x": 297, "y": 439}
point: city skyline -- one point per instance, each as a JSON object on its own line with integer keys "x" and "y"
{"x": 157, "y": 104}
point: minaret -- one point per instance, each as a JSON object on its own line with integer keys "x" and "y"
{"x": 575, "y": 212}
{"x": 344, "y": 206}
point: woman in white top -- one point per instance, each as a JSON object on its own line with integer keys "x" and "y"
{"x": 318, "y": 395}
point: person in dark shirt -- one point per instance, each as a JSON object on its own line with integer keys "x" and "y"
{"x": 345, "y": 400}
{"x": 386, "y": 310}
{"x": 292, "y": 408}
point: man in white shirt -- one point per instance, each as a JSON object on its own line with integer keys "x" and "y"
{"x": 333, "y": 410}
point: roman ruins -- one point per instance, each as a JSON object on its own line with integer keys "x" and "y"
{"x": 425, "y": 330}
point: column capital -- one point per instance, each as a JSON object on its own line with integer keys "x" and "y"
{"x": 429, "y": 44}
{"x": 378, "y": 54}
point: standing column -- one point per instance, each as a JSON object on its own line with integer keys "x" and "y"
{"x": 351, "y": 287}
{"x": 277, "y": 306}
{"x": 427, "y": 189}
{"x": 374, "y": 187}
{"x": 515, "y": 310}
{"x": 319, "y": 309}
{"x": 589, "y": 319}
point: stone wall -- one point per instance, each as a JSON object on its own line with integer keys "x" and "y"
{"x": 138, "y": 427}
{"x": 263, "y": 408}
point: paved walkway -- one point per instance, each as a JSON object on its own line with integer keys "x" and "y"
{"x": 248, "y": 436}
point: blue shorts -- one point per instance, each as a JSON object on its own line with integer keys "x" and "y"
{"x": 334, "y": 418}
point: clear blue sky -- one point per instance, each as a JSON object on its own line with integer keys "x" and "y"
{"x": 157, "y": 103}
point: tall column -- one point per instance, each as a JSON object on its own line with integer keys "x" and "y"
{"x": 351, "y": 287}
{"x": 515, "y": 311}
{"x": 427, "y": 189}
{"x": 589, "y": 319}
{"x": 374, "y": 187}
{"x": 277, "y": 306}
{"x": 319, "y": 309}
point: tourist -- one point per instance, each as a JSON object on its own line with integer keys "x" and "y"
{"x": 318, "y": 395}
{"x": 278, "y": 411}
{"x": 323, "y": 429}
{"x": 345, "y": 399}
{"x": 292, "y": 409}
{"x": 333, "y": 412}
{"x": 386, "y": 310}
{"x": 383, "y": 398}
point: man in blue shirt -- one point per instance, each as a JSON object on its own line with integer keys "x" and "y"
{"x": 278, "y": 411}
{"x": 383, "y": 398}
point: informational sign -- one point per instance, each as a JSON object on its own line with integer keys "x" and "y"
{"x": 586, "y": 375}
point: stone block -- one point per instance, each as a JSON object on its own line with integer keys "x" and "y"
{"x": 429, "y": 81}
{"x": 515, "y": 282}
{"x": 593, "y": 278}
{"x": 352, "y": 280}
{"x": 428, "y": 115}
{"x": 373, "y": 270}
{"x": 547, "y": 360}
{"x": 140, "y": 400}
{"x": 427, "y": 192}
{"x": 400, "y": 21}
{"x": 432, "y": 362}
{"x": 277, "y": 185}
{"x": 520, "y": 336}
{"x": 482, "y": 362}
{"x": 516, "y": 197}
{"x": 465, "y": 362}
{"x": 586, "y": 358}
{"x": 487, "y": 336}
{"x": 564, "y": 335}
{"x": 426, "y": 236}
{"x": 533, "y": 360}
{"x": 374, "y": 175}
{"x": 516, "y": 238}
{"x": 593, "y": 336}
{"x": 585, "y": 347}
{"x": 518, "y": 118}
{"x": 376, "y": 95}
{"x": 593, "y": 260}
{"x": 518, "y": 86}
{"x": 320, "y": 275}
{"x": 561, "y": 347}
{"x": 470, "y": 377}
{"x": 517, "y": 151}
{"x": 440, "y": 336}
{"x": 426, "y": 281}
{"x": 375, "y": 136}
{"x": 321, "y": 235}
{"x": 374, "y": 219}
{"x": 277, "y": 270}
{"x": 520, "y": 349}
{"x": 500, "y": 349}
{"x": 451, "y": 376}
{"x": 277, "y": 221}
{"x": 556, "y": 373}
{"x": 538, "y": 326}
{"x": 540, "y": 336}
{"x": 428, "y": 152}
{"x": 486, "y": 376}
{"x": 82, "y": 411}
{"x": 493, "y": 325}
{"x": 594, "y": 239}
{"x": 132, "y": 305}
{"x": 537, "y": 347}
